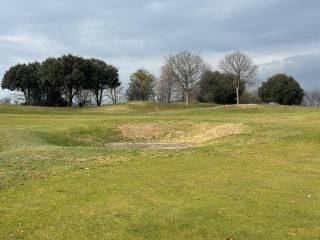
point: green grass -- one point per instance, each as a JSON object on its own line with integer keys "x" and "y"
{"x": 57, "y": 181}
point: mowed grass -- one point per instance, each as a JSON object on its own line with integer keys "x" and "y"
{"x": 58, "y": 181}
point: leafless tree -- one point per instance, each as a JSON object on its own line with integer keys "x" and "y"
{"x": 312, "y": 98}
{"x": 18, "y": 98}
{"x": 83, "y": 97}
{"x": 166, "y": 84}
{"x": 186, "y": 69}
{"x": 241, "y": 66}
{"x": 5, "y": 100}
{"x": 115, "y": 95}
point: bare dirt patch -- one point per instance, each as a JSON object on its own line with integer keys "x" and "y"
{"x": 142, "y": 131}
{"x": 210, "y": 133}
{"x": 164, "y": 135}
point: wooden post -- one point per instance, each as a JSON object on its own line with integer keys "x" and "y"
{"x": 156, "y": 98}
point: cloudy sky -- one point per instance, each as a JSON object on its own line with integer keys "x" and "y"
{"x": 280, "y": 35}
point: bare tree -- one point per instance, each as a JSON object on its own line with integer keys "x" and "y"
{"x": 186, "y": 69}
{"x": 312, "y": 98}
{"x": 241, "y": 67}
{"x": 18, "y": 98}
{"x": 116, "y": 94}
{"x": 83, "y": 97}
{"x": 166, "y": 84}
{"x": 5, "y": 100}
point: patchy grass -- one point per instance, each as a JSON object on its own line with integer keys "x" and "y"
{"x": 189, "y": 132}
{"x": 256, "y": 177}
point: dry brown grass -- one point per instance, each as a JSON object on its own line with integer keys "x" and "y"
{"x": 182, "y": 132}
{"x": 141, "y": 131}
{"x": 214, "y": 132}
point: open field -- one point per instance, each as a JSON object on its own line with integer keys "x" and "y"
{"x": 248, "y": 172}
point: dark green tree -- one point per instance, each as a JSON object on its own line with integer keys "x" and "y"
{"x": 218, "y": 88}
{"x": 57, "y": 81}
{"x": 281, "y": 89}
{"x": 102, "y": 77}
{"x": 66, "y": 74}
{"x": 34, "y": 76}
{"x": 71, "y": 76}
{"x": 24, "y": 78}
{"x": 51, "y": 83}
{"x": 113, "y": 83}
{"x": 141, "y": 86}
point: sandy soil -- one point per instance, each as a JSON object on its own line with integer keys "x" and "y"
{"x": 157, "y": 135}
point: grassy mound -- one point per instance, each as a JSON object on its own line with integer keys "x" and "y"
{"x": 258, "y": 178}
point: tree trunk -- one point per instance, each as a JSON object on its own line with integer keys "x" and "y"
{"x": 115, "y": 96}
{"x": 97, "y": 99}
{"x": 238, "y": 99}
{"x": 98, "y": 95}
{"x": 25, "y": 96}
{"x": 101, "y": 96}
{"x": 29, "y": 97}
{"x": 187, "y": 98}
{"x": 112, "y": 95}
{"x": 70, "y": 100}
{"x": 238, "y": 89}
{"x": 69, "y": 96}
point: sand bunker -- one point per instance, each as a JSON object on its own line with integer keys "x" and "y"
{"x": 142, "y": 131}
{"x": 214, "y": 132}
{"x": 164, "y": 135}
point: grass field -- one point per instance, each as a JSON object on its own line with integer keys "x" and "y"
{"x": 60, "y": 180}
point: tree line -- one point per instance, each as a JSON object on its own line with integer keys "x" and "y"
{"x": 61, "y": 81}
{"x": 184, "y": 76}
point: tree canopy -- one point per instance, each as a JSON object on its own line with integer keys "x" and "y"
{"x": 218, "y": 88}
{"x": 141, "y": 86}
{"x": 241, "y": 66}
{"x": 186, "y": 69}
{"x": 56, "y": 81}
{"x": 73, "y": 80}
{"x": 281, "y": 89}
{"x": 24, "y": 78}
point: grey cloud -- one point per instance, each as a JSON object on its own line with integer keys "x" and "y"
{"x": 141, "y": 32}
{"x": 304, "y": 68}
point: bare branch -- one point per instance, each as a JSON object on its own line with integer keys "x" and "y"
{"x": 186, "y": 69}
{"x": 241, "y": 67}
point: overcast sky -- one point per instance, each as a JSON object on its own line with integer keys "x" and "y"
{"x": 280, "y": 35}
